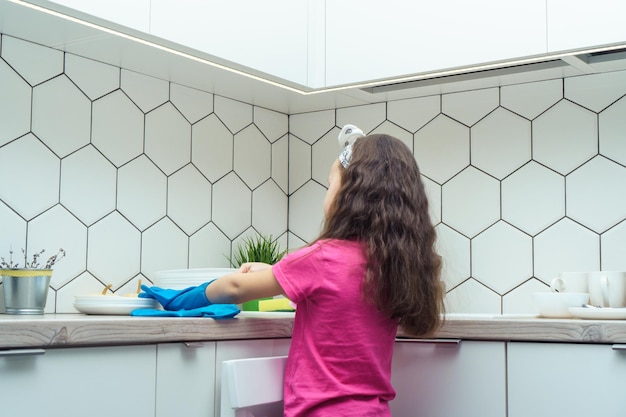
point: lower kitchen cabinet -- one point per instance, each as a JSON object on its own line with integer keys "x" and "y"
{"x": 78, "y": 382}
{"x": 185, "y": 379}
{"x": 449, "y": 378}
{"x": 242, "y": 349}
{"x": 566, "y": 379}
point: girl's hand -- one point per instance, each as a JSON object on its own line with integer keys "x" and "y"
{"x": 253, "y": 267}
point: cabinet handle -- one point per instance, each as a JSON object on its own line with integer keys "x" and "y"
{"x": 432, "y": 341}
{"x": 192, "y": 345}
{"x": 618, "y": 347}
{"x": 22, "y": 352}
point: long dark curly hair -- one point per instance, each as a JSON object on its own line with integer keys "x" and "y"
{"x": 382, "y": 203}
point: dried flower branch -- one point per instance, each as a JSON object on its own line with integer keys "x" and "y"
{"x": 34, "y": 263}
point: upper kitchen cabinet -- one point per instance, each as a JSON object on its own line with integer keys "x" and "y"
{"x": 134, "y": 14}
{"x": 369, "y": 40}
{"x": 575, "y": 24}
{"x": 271, "y": 37}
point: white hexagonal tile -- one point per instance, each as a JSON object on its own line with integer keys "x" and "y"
{"x": 94, "y": 78}
{"x": 114, "y": 250}
{"x": 209, "y": 248}
{"x": 299, "y": 163}
{"x": 471, "y": 202}
{"x": 13, "y": 236}
{"x": 531, "y": 99}
{"x": 520, "y": 299}
{"x": 565, "y": 126}
{"x": 595, "y": 194}
{"x": 306, "y": 214}
{"x": 30, "y": 174}
{"x": 280, "y": 162}
{"x": 366, "y": 117}
{"x": 612, "y": 125}
{"x": 132, "y": 286}
{"x": 64, "y": 125}
{"x": 309, "y": 127}
{"x": 141, "y": 192}
{"x": 533, "y": 198}
{"x": 596, "y": 91}
{"x": 412, "y": 114}
{"x": 235, "y": 114}
{"x": 324, "y": 153}
{"x": 54, "y": 229}
{"x": 454, "y": 250}
{"x": 146, "y": 92}
{"x": 442, "y": 148}
{"x": 502, "y": 257}
{"x": 83, "y": 284}
{"x": 565, "y": 246}
{"x": 253, "y": 155}
{"x": 272, "y": 124}
{"x": 14, "y": 104}
{"x": 468, "y": 107}
{"x": 36, "y": 63}
{"x": 294, "y": 242}
{"x": 192, "y": 103}
{"x": 500, "y": 143}
{"x": 189, "y": 199}
{"x": 613, "y": 243}
{"x": 232, "y": 205}
{"x": 163, "y": 246}
{"x": 118, "y": 128}
{"x": 389, "y": 128}
{"x": 88, "y": 185}
{"x": 269, "y": 209}
{"x": 212, "y": 148}
{"x": 168, "y": 138}
{"x": 433, "y": 193}
{"x": 473, "y": 298}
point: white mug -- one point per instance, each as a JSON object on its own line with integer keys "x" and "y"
{"x": 607, "y": 289}
{"x": 570, "y": 282}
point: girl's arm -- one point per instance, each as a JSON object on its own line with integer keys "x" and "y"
{"x": 239, "y": 287}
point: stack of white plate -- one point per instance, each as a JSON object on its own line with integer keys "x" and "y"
{"x": 179, "y": 279}
{"x": 111, "y": 304}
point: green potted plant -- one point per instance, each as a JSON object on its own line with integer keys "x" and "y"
{"x": 259, "y": 248}
{"x": 26, "y": 287}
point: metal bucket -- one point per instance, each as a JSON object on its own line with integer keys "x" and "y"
{"x": 25, "y": 290}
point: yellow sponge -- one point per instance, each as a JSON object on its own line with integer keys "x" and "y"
{"x": 275, "y": 304}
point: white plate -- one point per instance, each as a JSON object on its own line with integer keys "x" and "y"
{"x": 601, "y": 313}
{"x": 179, "y": 279}
{"x": 112, "y": 304}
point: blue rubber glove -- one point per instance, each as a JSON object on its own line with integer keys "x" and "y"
{"x": 216, "y": 311}
{"x": 188, "y": 299}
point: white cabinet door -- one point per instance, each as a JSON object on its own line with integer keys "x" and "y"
{"x": 370, "y": 39}
{"x": 241, "y": 349}
{"x": 134, "y": 14}
{"x": 78, "y": 382}
{"x": 185, "y": 383}
{"x": 446, "y": 379}
{"x": 574, "y": 24}
{"x": 269, "y": 36}
{"x": 566, "y": 379}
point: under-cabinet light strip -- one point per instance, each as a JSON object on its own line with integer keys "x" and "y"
{"x": 424, "y": 76}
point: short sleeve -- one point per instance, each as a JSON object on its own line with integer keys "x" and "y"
{"x": 300, "y": 273}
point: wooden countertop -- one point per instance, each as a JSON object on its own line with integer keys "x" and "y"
{"x": 66, "y": 330}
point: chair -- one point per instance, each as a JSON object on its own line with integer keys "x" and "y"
{"x": 253, "y": 387}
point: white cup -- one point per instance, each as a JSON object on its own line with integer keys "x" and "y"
{"x": 607, "y": 288}
{"x": 570, "y": 282}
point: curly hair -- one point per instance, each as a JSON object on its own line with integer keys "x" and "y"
{"x": 382, "y": 203}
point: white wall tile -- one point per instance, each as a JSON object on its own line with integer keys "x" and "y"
{"x": 520, "y": 301}
{"x": 531, "y": 99}
{"x": 470, "y": 106}
{"x": 596, "y": 91}
{"x": 189, "y": 199}
{"x": 13, "y": 236}
{"x": 168, "y": 138}
{"x": 324, "y": 153}
{"x": 305, "y": 211}
{"x": 232, "y": 205}
{"x": 147, "y": 93}
{"x": 193, "y": 104}
{"x": 299, "y": 163}
{"x": 235, "y": 114}
{"x": 212, "y": 148}
{"x": 412, "y": 114}
{"x": 454, "y": 248}
{"x": 472, "y": 297}
{"x": 15, "y": 103}
{"x": 612, "y": 125}
{"x": 163, "y": 246}
{"x": 272, "y": 124}
{"x": 309, "y": 127}
{"x": 93, "y": 78}
{"x": 613, "y": 244}
{"x": 34, "y": 62}
{"x": 253, "y": 156}
{"x": 269, "y": 209}
{"x": 280, "y": 163}
{"x": 209, "y": 247}
{"x": 365, "y": 117}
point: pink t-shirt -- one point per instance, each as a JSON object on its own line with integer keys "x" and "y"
{"x": 339, "y": 362}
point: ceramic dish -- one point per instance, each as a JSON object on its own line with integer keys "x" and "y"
{"x": 179, "y": 279}
{"x": 111, "y": 304}
{"x": 599, "y": 313}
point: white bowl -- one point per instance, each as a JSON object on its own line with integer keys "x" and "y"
{"x": 179, "y": 279}
{"x": 557, "y": 304}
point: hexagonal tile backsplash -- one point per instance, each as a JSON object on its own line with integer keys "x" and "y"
{"x": 132, "y": 174}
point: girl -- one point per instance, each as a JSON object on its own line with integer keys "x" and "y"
{"x": 372, "y": 268}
